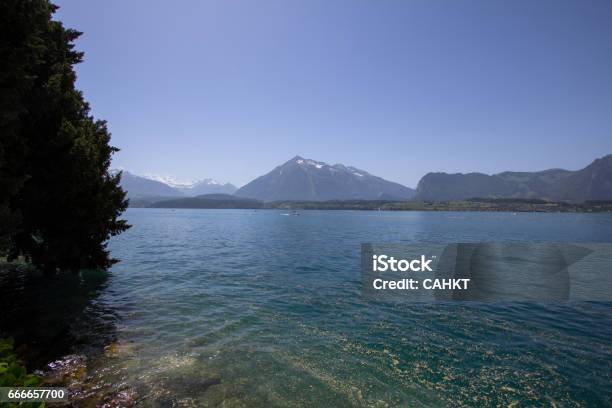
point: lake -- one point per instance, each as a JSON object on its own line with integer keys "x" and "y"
{"x": 256, "y": 308}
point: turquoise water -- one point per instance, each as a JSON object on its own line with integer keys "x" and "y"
{"x": 254, "y": 308}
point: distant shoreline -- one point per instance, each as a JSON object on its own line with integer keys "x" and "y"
{"x": 476, "y": 204}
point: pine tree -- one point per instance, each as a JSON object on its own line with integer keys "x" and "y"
{"x": 62, "y": 202}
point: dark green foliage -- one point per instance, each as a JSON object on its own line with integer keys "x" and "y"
{"x": 58, "y": 203}
{"x": 12, "y": 373}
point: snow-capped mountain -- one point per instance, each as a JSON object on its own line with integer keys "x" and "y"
{"x": 167, "y": 180}
{"x": 155, "y": 186}
{"x": 311, "y": 180}
{"x": 207, "y": 186}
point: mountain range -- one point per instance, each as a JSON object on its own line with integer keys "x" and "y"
{"x": 594, "y": 182}
{"x": 146, "y": 187}
{"x": 301, "y": 179}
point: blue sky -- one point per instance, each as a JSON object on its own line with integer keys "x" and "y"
{"x": 230, "y": 89}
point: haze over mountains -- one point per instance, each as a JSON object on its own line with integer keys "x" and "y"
{"x": 301, "y": 179}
